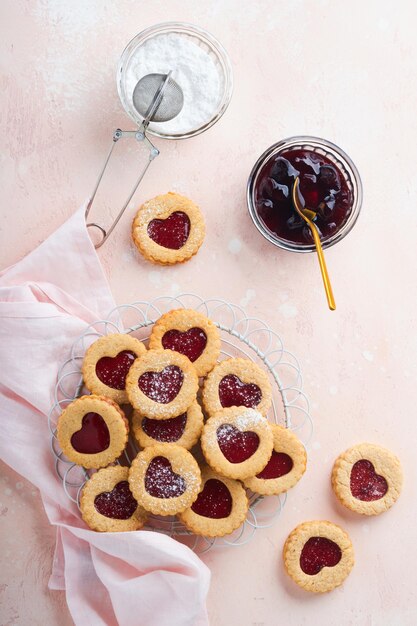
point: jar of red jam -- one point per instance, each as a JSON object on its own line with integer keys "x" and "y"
{"x": 330, "y": 186}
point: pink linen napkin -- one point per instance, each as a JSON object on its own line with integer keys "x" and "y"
{"x": 129, "y": 579}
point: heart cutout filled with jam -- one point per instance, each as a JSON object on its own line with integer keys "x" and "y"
{"x": 112, "y": 371}
{"x": 215, "y": 501}
{"x": 93, "y": 436}
{"x": 319, "y": 552}
{"x": 163, "y": 386}
{"x": 365, "y": 483}
{"x": 171, "y": 233}
{"x": 278, "y": 465}
{"x": 236, "y": 446}
{"x": 166, "y": 431}
{"x": 161, "y": 481}
{"x": 233, "y": 392}
{"x": 190, "y": 343}
{"x": 118, "y": 503}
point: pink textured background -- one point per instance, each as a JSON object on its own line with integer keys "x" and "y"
{"x": 344, "y": 71}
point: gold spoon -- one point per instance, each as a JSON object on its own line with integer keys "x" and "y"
{"x": 307, "y": 216}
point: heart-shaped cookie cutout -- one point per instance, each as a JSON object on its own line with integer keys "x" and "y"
{"x": 93, "y": 436}
{"x": 191, "y": 343}
{"x": 215, "y": 501}
{"x": 117, "y": 503}
{"x": 165, "y": 431}
{"x": 365, "y": 483}
{"x": 236, "y": 446}
{"x": 161, "y": 481}
{"x": 112, "y": 371}
{"x": 319, "y": 552}
{"x": 162, "y": 386}
{"x": 278, "y": 465}
{"x": 234, "y": 392}
{"x": 172, "y": 232}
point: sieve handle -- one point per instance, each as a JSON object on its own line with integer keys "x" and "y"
{"x": 153, "y": 153}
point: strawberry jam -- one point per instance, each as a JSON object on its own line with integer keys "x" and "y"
{"x": 278, "y": 465}
{"x": 161, "y": 481}
{"x": 166, "y": 431}
{"x": 190, "y": 343}
{"x": 215, "y": 501}
{"x": 319, "y": 552}
{"x": 162, "y": 386}
{"x": 112, "y": 371}
{"x": 323, "y": 188}
{"x": 93, "y": 437}
{"x": 234, "y": 392}
{"x": 118, "y": 503}
{"x": 236, "y": 446}
{"x": 171, "y": 233}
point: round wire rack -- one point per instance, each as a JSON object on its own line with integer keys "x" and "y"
{"x": 242, "y": 336}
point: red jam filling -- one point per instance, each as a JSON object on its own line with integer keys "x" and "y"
{"x": 365, "y": 483}
{"x": 93, "y": 437}
{"x": 190, "y": 343}
{"x": 161, "y": 481}
{"x": 166, "y": 431}
{"x": 319, "y": 552}
{"x": 163, "y": 386}
{"x": 215, "y": 501}
{"x": 278, "y": 465}
{"x": 112, "y": 371}
{"x": 322, "y": 185}
{"x": 171, "y": 233}
{"x": 118, "y": 503}
{"x": 233, "y": 392}
{"x": 236, "y": 446}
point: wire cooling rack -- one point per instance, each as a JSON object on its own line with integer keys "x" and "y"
{"x": 242, "y": 336}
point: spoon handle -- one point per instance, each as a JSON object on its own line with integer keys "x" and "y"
{"x": 325, "y": 275}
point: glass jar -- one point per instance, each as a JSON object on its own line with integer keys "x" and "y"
{"x": 341, "y": 161}
{"x": 201, "y": 38}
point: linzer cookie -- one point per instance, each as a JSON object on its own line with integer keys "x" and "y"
{"x": 318, "y": 556}
{"x": 237, "y": 442}
{"x": 190, "y": 333}
{"x": 92, "y": 431}
{"x": 285, "y": 467}
{"x": 184, "y": 430}
{"x": 165, "y": 479}
{"x": 237, "y": 382}
{"x": 162, "y": 384}
{"x": 107, "y": 362}
{"x": 367, "y": 479}
{"x": 168, "y": 229}
{"x": 220, "y": 508}
{"x": 107, "y": 503}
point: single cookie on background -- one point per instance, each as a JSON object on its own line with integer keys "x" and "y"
{"x": 285, "y": 467}
{"x": 92, "y": 431}
{"x": 168, "y": 229}
{"x": 318, "y": 556}
{"x": 184, "y": 430}
{"x": 190, "y": 333}
{"x": 162, "y": 384}
{"x": 107, "y": 362}
{"x": 237, "y": 442}
{"x": 367, "y": 479}
{"x": 220, "y": 507}
{"x": 165, "y": 479}
{"x": 237, "y": 382}
{"x": 107, "y": 504}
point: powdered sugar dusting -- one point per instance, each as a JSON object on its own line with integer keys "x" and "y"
{"x": 163, "y": 386}
{"x": 194, "y": 71}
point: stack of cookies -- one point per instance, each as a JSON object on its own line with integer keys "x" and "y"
{"x": 182, "y": 396}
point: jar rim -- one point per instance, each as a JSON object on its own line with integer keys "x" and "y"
{"x": 209, "y": 40}
{"x": 338, "y": 156}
